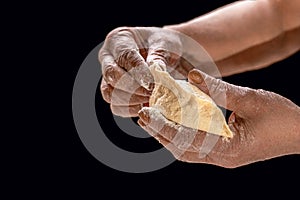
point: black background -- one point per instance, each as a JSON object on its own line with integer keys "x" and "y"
{"x": 61, "y": 164}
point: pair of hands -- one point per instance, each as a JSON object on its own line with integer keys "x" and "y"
{"x": 264, "y": 123}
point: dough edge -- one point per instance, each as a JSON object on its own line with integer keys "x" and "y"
{"x": 183, "y": 103}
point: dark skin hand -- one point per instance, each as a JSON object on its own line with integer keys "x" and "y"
{"x": 126, "y": 55}
{"x": 264, "y": 124}
{"x": 126, "y": 48}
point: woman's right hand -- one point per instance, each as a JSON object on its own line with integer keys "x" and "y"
{"x": 126, "y": 55}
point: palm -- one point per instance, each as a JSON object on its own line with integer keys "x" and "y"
{"x": 264, "y": 126}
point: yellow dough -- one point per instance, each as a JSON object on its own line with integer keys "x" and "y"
{"x": 185, "y": 104}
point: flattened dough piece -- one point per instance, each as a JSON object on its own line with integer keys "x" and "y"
{"x": 184, "y": 103}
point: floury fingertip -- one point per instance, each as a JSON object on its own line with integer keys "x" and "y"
{"x": 142, "y": 75}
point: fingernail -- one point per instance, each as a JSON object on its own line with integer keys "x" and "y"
{"x": 195, "y": 77}
{"x": 143, "y": 114}
{"x": 110, "y": 74}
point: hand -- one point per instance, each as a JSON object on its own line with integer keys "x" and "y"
{"x": 126, "y": 54}
{"x": 264, "y": 124}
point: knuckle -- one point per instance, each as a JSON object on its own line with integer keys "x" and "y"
{"x": 230, "y": 165}
{"x": 117, "y": 31}
{"x": 184, "y": 140}
{"x": 247, "y": 94}
{"x": 122, "y": 44}
{"x": 168, "y": 57}
{"x": 215, "y": 87}
{"x": 158, "y": 54}
{"x": 109, "y": 73}
{"x": 128, "y": 58}
{"x": 266, "y": 94}
{"x": 133, "y": 110}
{"x": 178, "y": 155}
{"x": 106, "y": 93}
{"x": 165, "y": 46}
{"x": 168, "y": 132}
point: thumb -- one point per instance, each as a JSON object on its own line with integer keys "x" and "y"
{"x": 164, "y": 47}
{"x": 224, "y": 94}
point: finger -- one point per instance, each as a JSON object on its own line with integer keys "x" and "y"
{"x": 164, "y": 47}
{"x": 224, "y": 94}
{"x": 182, "y": 137}
{"x": 106, "y": 89}
{"x": 119, "y": 78}
{"x": 112, "y": 73}
{"x": 177, "y": 153}
{"x": 125, "y": 111}
{"x": 152, "y": 132}
{"x": 181, "y": 70}
{"x": 208, "y": 149}
{"x": 141, "y": 95}
{"x": 185, "y": 155}
{"x": 119, "y": 97}
{"x": 108, "y": 64}
{"x": 123, "y": 45}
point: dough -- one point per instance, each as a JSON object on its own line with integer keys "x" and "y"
{"x": 183, "y": 103}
